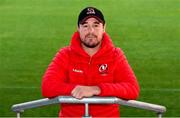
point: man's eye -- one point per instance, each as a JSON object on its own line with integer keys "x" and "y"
{"x": 96, "y": 25}
{"x": 85, "y": 26}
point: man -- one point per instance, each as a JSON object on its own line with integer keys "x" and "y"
{"x": 90, "y": 66}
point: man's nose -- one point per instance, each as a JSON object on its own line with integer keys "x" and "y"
{"x": 91, "y": 29}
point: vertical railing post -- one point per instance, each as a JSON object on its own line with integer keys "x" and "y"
{"x": 87, "y": 111}
{"x": 18, "y": 114}
{"x": 159, "y": 115}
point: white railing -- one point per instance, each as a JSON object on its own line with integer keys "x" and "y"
{"x": 18, "y": 108}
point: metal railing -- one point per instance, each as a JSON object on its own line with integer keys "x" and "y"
{"x": 18, "y": 108}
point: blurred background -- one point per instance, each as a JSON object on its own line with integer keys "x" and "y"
{"x": 32, "y": 31}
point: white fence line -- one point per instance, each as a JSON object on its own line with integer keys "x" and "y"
{"x": 18, "y": 108}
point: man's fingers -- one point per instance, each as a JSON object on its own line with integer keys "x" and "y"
{"x": 79, "y": 95}
{"x": 85, "y": 91}
{"x": 77, "y": 92}
{"x": 74, "y": 91}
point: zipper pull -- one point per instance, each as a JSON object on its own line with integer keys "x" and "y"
{"x": 90, "y": 60}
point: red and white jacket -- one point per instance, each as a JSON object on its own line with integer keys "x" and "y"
{"x": 107, "y": 69}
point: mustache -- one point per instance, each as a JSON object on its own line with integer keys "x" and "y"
{"x": 91, "y": 36}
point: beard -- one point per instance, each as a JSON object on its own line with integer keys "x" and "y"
{"x": 90, "y": 41}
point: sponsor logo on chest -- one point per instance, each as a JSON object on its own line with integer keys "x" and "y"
{"x": 103, "y": 69}
{"x": 77, "y": 70}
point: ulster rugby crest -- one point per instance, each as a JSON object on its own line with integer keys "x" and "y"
{"x": 103, "y": 69}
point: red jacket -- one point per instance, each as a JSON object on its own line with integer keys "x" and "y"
{"x": 108, "y": 69}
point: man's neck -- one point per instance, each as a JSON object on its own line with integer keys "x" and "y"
{"x": 91, "y": 51}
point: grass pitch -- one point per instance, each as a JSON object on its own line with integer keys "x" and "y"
{"x": 32, "y": 31}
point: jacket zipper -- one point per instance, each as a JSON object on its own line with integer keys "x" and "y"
{"x": 89, "y": 70}
{"x": 90, "y": 61}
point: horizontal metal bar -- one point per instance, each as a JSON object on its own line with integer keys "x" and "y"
{"x": 93, "y": 100}
{"x": 143, "y": 105}
{"x": 33, "y": 104}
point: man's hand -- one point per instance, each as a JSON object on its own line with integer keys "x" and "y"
{"x": 85, "y": 91}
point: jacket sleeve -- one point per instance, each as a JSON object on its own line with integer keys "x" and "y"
{"x": 125, "y": 84}
{"x": 55, "y": 79}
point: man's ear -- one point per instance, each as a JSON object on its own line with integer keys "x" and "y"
{"x": 78, "y": 28}
{"x": 104, "y": 27}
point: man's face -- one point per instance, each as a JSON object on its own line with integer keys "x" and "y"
{"x": 91, "y": 32}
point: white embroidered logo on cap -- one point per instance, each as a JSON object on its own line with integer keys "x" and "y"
{"x": 90, "y": 11}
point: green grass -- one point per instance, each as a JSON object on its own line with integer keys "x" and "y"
{"x": 31, "y": 32}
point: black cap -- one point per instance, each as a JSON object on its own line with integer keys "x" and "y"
{"x": 90, "y": 12}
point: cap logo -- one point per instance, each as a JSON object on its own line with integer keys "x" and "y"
{"x": 90, "y": 11}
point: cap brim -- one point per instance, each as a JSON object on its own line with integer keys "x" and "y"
{"x": 91, "y": 16}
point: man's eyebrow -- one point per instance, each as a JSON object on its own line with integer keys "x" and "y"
{"x": 84, "y": 23}
{"x": 96, "y": 22}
